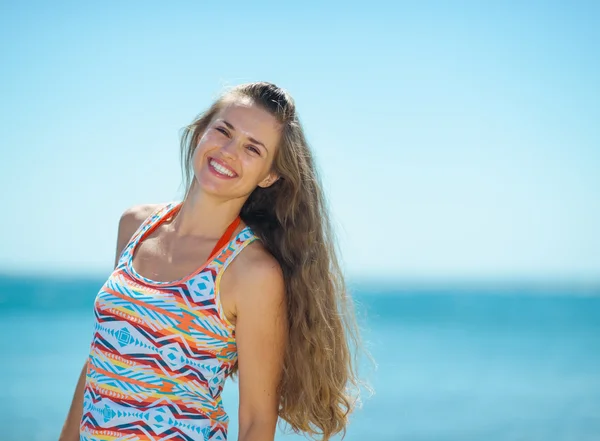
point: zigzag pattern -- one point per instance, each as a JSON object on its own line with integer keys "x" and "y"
{"x": 160, "y": 351}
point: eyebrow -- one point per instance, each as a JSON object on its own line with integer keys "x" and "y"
{"x": 255, "y": 141}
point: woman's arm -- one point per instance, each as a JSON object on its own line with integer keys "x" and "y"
{"x": 128, "y": 224}
{"x": 261, "y": 334}
{"x": 70, "y": 430}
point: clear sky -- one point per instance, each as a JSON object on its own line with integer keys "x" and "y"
{"x": 455, "y": 139}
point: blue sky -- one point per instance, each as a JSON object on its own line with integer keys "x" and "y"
{"x": 456, "y": 140}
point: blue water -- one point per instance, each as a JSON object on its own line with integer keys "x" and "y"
{"x": 468, "y": 364}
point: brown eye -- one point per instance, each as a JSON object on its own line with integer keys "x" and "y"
{"x": 254, "y": 149}
{"x": 223, "y": 131}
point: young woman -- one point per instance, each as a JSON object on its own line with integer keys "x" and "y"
{"x": 268, "y": 303}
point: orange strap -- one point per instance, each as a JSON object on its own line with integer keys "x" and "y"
{"x": 226, "y": 236}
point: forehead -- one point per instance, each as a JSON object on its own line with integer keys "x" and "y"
{"x": 252, "y": 121}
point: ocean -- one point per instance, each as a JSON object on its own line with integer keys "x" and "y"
{"x": 471, "y": 363}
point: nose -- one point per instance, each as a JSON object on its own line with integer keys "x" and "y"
{"x": 230, "y": 148}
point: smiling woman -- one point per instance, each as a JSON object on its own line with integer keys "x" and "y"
{"x": 267, "y": 303}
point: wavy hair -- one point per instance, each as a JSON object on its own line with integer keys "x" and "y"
{"x": 319, "y": 387}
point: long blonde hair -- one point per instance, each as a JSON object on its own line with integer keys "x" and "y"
{"x": 320, "y": 385}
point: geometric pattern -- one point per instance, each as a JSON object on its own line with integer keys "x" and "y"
{"x": 160, "y": 351}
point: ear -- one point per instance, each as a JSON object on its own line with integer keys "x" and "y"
{"x": 269, "y": 180}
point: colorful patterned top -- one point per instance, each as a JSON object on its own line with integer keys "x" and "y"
{"x": 160, "y": 351}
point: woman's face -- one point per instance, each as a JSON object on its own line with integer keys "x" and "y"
{"x": 236, "y": 151}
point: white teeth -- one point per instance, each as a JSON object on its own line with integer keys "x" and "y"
{"x": 220, "y": 168}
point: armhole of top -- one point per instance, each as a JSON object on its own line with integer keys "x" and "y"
{"x": 221, "y": 270}
{"x": 139, "y": 231}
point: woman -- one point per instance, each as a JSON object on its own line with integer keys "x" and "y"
{"x": 168, "y": 333}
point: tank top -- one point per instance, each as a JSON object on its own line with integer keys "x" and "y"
{"x": 160, "y": 351}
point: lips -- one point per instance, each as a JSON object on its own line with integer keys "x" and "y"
{"x": 220, "y": 166}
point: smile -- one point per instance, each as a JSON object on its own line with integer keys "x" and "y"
{"x": 222, "y": 170}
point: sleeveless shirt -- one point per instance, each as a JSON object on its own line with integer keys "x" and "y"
{"x": 160, "y": 351}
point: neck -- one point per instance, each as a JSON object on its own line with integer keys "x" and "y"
{"x": 205, "y": 216}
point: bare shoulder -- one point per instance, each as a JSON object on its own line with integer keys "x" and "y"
{"x": 258, "y": 273}
{"x": 129, "y": 222}
{"x": 133, "y": 217}
{"x": 258, "y": 263}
